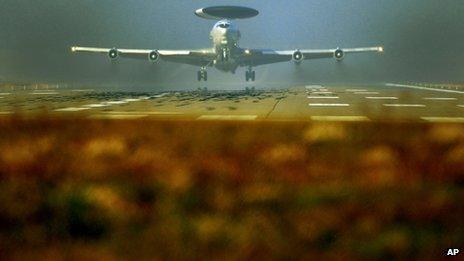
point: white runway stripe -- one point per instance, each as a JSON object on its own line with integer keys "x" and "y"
{"x": 308, "y": 87}
{"x": 340, "y": 118}
{"x": 462, "y": 106}
{"x": 381, "y": 98}
{"x": 328, "y": 104}
{"x": 44, "y": 93}
{"x": 356, "y": 90}
{"x": 144, "y": 112}
{"x": 5, "y": 93}
{"x": 228, "y": 117}
{"x": 403, "y": 105}
{"x": 72, "y": 109}
{"x": 118, "y": 116}
{"x": 444, "y": 119}
{"x": 322, "y": 92}
{"x": 96, "y": 105}
{"x": 440, "y": 99}
{"x": 422, "y": 88}
{"x": 83, "y": 90}
{"x": 116, "y": 102}
{"x": 161, "y": 95}
{"x": 323, "y": 97}
{"x": 366, "y": 93}
{"x": 102, "y": 104}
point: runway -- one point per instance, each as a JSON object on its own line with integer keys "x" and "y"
{"x": 310, "y": 102}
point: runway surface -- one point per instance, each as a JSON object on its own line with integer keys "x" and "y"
{"x": 311, "y": 102}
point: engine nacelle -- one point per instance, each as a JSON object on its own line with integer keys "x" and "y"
{"x": 339, "y": 54}
{"x": 297, "y": 56}
{"x": 153, "y": 56}
{"x": 113, "y": 53}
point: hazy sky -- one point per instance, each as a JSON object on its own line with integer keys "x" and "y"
{"x": 423, "y": 40}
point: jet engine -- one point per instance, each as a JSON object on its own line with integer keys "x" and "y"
{"x": 339, "y": 54}
{"x": 153, "y": 56}
{"x": 297, "y": 56}
{"x": 113, "y": 53}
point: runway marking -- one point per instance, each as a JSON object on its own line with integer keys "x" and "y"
{"x": 366, "y": 93}
{"x": 5, "y": 93}
{"x": 381, "y": 98}
{"x": 228, "y": 117}
{"x": 116, "y": 102}
{"x": 462, "y": 106}
{"x": 44, "y": 93}
{"x": 403, "y": 105}
{"x": 72, "y": 109}
{"x": 313, "y": 86}
{"x": 106, "y": 104}
{"x": 323, "y": 97}
{"x": 322, "y": 92}
{"x": 422, "y": 88}
{"x": 131, "y": 100}
{"x": 160, "y": 95}
{"x": 96, "y": 105}
{"x": 328, "y": 104}
{"x": 444, "y": 119}
{"x": 356, "y": 90}
{"x": 6, "y": 112}
{"x": 340, "y": 118}
{"x": 83, "y": 90}
{"x": 440, "y": 99}
{"x": 118, "y": 116}
{"x": 144, "y": 112}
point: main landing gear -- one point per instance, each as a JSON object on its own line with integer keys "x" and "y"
{"x": 250, "y": 75}
{"x": 202, "y": 74}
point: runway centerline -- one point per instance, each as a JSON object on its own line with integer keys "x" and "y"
{"x": 340, "y": 118}
{"x": 440, "y": 98}
{"x": 328, "y": 104}
{"x": 228, "y": 117}
{"x": 444, "y": 119}
{"x": 323, "y": 97}
{"x": 382, "y": 98}
{"x": 403, "y": 105}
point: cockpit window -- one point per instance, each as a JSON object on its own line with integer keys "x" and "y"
{"x": 224, "y": 25}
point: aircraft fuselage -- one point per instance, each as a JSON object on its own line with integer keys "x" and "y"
{"x": 225, "y": 37}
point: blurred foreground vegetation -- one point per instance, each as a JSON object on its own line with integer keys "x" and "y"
{"x": 84, "y": 189}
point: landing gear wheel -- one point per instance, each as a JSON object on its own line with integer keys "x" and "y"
{"x": 202, "y": 75}
{"x": 250, "y": 75}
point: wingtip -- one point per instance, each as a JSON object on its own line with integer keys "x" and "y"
{"x": 73, "y": 49}
{"x": 380, "y": 49}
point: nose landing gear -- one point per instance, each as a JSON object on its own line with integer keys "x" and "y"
{"x": 202, "y": 74}
{"x": 250, "y": 74}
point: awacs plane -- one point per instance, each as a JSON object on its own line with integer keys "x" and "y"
{"x": 226, "y": 55}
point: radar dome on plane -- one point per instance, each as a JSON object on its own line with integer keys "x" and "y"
{"x": 226, "y": 12}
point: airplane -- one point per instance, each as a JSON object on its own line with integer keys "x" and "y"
{"x": 226, "y": 55}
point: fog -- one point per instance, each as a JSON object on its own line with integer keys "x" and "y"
{"x": 423, "y": 40}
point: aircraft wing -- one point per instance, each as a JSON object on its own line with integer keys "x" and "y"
{"x": 256, "y": 57}
{"x": 192, "y": 57}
